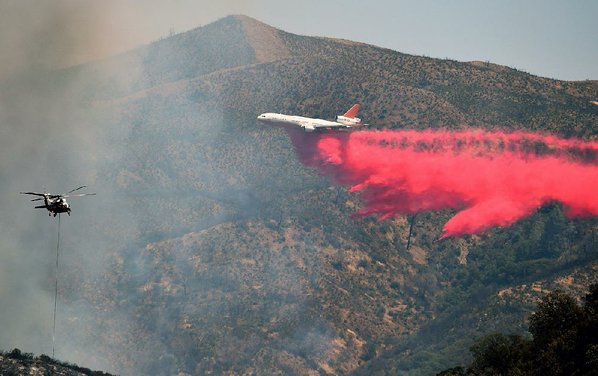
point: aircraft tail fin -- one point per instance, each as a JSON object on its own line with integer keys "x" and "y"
{"x": 352, "y": 111}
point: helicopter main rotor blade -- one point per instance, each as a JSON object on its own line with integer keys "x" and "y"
{"x": 33, "y": 193}
{"x": 79, "y": 195}
{"x": 76, "y": 189}
{"x": 37, "y": 199}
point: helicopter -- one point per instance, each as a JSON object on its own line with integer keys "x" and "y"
{"x": 56, "y": 203}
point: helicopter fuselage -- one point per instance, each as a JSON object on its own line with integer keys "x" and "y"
{"x": 55, "y": 206}
{"x": 56, "y": 203}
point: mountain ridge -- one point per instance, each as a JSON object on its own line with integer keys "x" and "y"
{"x": 331, "y": 271}
{"x": 227, "y": 255}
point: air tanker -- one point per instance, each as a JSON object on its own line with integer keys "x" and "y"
{"x": 341, "y": 122}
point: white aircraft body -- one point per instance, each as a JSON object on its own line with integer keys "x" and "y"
{"x": 345, "y": 121}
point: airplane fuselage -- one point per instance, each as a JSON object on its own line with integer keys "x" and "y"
{"x": 348, "y": 120}
{"x": 305, "y": 123}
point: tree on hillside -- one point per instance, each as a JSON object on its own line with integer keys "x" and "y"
{"x": 556, "y": 329}
{"x": 497, "y": 354}
{"x": 565, "y": 342}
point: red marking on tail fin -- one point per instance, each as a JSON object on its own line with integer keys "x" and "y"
{"x": 352, "y": 111}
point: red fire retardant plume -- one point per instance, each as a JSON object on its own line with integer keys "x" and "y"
{"x": 491, "y": 179}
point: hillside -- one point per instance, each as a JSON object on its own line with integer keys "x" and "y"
{"x": 17, "y": 363}
{"x": 211, "y": 249}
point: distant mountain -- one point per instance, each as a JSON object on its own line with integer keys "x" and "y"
{"x": 226, "y": 255}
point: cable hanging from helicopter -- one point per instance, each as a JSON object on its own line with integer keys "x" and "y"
{"x": 56, "y": 204}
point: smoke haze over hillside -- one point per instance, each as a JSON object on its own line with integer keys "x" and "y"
{"x": 51, "y": 140}
{"x": 54, "y": 137}
{"x": 43, "y": 36}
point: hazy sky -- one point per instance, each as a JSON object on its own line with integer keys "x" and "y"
{"x": 551, "y": 38}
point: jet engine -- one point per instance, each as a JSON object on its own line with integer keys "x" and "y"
{"x": 347, "y": 120}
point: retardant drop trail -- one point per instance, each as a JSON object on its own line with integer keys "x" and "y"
{"x": 491, "y": 179}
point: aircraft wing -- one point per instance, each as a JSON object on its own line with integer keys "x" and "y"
{"x": 330, "y": 125}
